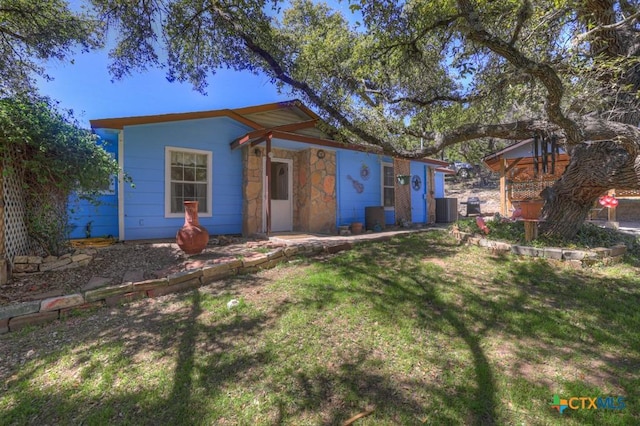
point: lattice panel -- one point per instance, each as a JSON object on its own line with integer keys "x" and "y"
{"x": 527, "y": 190}
{"x": 15, "y": 228}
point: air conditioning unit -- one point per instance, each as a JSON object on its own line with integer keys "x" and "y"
{"x": 446, "y": 210}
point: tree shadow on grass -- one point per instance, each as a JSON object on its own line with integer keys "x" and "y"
{"x": 176, "y": 353}
{"x": 544, "y": 314}
{"x": 206, "y": 359}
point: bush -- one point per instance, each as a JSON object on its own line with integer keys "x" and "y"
{"x": 53, "y": 157}
{"x": 588, "y": 236}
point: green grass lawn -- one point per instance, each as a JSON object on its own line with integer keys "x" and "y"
{"x": 417, "y": 329}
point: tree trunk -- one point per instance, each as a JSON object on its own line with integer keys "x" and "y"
{"x": 594, "y": 169}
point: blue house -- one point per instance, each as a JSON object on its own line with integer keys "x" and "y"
{"x": 266, "y": 168}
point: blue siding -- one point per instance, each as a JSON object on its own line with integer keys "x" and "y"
{"x": 439, "y": 185}
{"x": 103, "y": 218}
{"x": 418, "y": 202}
{"x": 351, "y": 203}
{"x": 144, "y": 148}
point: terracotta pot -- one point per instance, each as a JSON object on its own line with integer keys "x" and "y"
{"x": 356, "y": 228}
{"x": 192, "y": 238}
{"x": 531, "y": 209}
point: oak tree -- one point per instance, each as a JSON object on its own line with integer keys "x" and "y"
{"x": 392, "y": 73}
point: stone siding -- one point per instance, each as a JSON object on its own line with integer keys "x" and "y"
{"x": 314, "y": 190}
{"x": 252, "y": 174}
{"x": 316, "y": 203}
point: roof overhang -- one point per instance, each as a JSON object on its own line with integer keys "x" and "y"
{"x": 236, "y": 114}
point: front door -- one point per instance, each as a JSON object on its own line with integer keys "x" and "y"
{"x": 281, "y": 191}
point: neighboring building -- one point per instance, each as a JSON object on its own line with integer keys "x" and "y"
{"x": 224, "y": 158}
{"x": 526, "y": 169}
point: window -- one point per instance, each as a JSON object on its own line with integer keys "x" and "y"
{"x": 187, "y": 178}
{"x": 388, "y": 186}
{"x": 279, "y": 181}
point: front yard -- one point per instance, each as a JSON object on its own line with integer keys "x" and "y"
{"x": 417, "y": 330}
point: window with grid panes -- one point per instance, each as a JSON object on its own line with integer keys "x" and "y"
{"x": 388, "y": 185}
{"x": 189, "y": 179}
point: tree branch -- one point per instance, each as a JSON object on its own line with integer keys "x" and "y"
{"x": 543, "y": 72}
{"x": 278, "y": 71}
{"x": 600, "y": 28}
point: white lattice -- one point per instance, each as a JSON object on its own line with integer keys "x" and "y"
{"x": 15, "y": 228}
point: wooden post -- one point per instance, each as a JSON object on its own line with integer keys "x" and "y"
{"x": 431, "y": 195}
{"x": 611, "y": 212}
{"x": 503, "y": 187}
{"x": 267, "y": 185}
{"x": 530, "y": 230}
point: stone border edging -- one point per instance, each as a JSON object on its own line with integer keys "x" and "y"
{"x": 17, "y": 316}
{"x": 581, "y": 258}
{"x": 26, "y": 265}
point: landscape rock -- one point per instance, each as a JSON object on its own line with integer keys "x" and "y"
{"x": 180, "y": 277}
{"x": 24, "y": 308}
{"x": 61, "y": 302}
{"x": 48, "y": 266}
{"x": 96, "y": 282}
{"x": 102, "y": 293}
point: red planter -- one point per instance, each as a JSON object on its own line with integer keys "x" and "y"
{"x": 356, "y": 228}
{"x": 192, "y": 238}
{"x": 531, "y": 209}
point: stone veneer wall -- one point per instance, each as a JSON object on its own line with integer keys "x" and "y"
{"x": 251, "y": 192}
{"x": 316, "y": 200}
{"x": 402, "y": 192}
{"x": 253, "y": 176}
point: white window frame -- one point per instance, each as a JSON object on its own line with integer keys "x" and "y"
{"x": 167, "y": 180}
{"x": 383, "y": 186}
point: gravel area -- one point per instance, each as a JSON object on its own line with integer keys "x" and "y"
{"x": 161, "y": 258}
{"x": 489, "y": 195}
{"x": 155, "y": 259}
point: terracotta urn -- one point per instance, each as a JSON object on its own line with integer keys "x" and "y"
{"x": 192, "y": 238}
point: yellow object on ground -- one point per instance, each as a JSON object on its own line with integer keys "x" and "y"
{"x": 92, "y": 242}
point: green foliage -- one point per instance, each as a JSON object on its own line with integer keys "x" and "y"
{"x": 53, "y": 157}
{"x": 387, "y": 72}
{"x": 34, "y": 31}
{"x": 588, "y": 236}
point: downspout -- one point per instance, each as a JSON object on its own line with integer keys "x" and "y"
{"x": 121, "y": 234}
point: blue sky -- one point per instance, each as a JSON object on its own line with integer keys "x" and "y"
{"x": 85, "y": 86}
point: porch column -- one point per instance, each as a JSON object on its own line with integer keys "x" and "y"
{"x": 503, "y": 187}
{"x": 431, "y": 194}
{"x": 267, "y": 185}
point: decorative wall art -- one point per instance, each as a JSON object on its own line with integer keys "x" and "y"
{"x": 359, "y": 187}
{"x": 365, "y": 173}
{"x": 416, "y": 182}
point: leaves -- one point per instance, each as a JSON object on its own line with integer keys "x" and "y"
{"x": 33, "y": 32}
{"x": 54, "y": 157}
